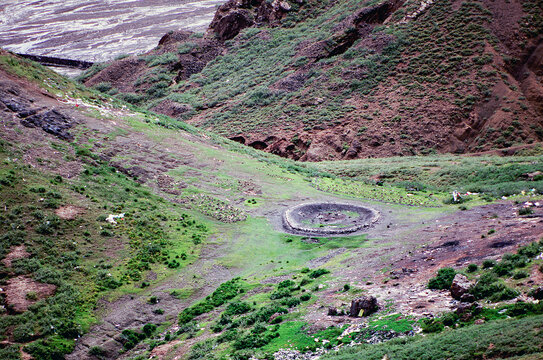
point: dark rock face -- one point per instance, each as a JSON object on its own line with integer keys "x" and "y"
{"x": 52, "y": 122}
{"x": 237, "y": 15}
{"x": 537, "y": 293}
{"x": 363, "y": 306}
{"x": 228, "y": 26}
{"x": 460, "y": 286}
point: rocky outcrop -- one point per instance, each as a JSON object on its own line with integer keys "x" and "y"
{"x": 237, "y": 15}
{"x": 363, "y": 306}
{"x": 52, "y": 121}
{"x": 460, "y": 286}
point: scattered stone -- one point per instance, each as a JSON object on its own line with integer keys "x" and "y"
{"x": 363, "y": 306}
{"x": 460, "y": 286}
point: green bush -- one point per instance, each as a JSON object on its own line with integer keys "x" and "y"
{"x": 520, "y": 275}
{"x": 163, "y": 59}
{"x": 96, "y": 351}
{"x": 305, "y": 297}
{"x": 53, "y": 348}
{"x": 237, "y": 308}
{"x": 431, "y": 326}
{"x": 443, "y": 280}
{"x": 525, "y": 211}
{"x": 279, "y": 294}
{"x": 531, "y": 250}
{"x": 290, "y": 302}
{"x": 318, "y": 272}
{"x": 472, "y": 268}
{"x": 286, "y": 284}
{"x": 131, "y": 338}
{"x": 487, "y": 264}
{"x": 149, "y": 329}
{"x": 504, "y": 294}
{"x": 223, "y": 293}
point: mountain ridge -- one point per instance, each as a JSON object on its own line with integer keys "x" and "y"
{"x": 350, "y": 79}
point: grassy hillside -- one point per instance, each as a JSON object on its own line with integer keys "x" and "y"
{"x": 199, "y": 266}
{"x": 353, "y": 78}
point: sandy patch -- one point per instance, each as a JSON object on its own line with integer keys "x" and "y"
{"x": 69, "y": 212}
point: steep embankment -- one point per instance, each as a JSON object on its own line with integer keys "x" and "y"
{"x": 318, "y": 80}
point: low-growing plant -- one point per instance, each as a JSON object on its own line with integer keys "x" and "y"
{"x": 443, "y": 280}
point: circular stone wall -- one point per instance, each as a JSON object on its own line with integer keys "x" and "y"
{"x": 328, "y": 218}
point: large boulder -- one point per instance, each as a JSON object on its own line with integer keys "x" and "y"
{"x": 460, "y": 286}
{"x": 363, "y": 306}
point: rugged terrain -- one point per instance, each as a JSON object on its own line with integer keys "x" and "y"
{"x": 127, "y": 234}
{"x": 343, "y": 79}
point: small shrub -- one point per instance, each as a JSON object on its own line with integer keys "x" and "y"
{"x": 237, "y": 308}
{"x": 531, "y": 250}
{"x": 431, "y": 326}
{"x": 149, "y": 329}
{"x": 505, "y": 294}
{"x": 472, "y": 268}
{"x": 318, "y": 273}
{"x": 31, "y": 295}
{"x": 279, "y": 294}
{"x": 305, "y": 297}
{"x": 525, "y": 211}
{"x": 97, "y": 351}
{"x": 443, "y": 280}
{"x": 290, "y": 302}
{"x": 520, "y": 275}
{"x": 285, "y": 284}
{"x": 487, "y": 264}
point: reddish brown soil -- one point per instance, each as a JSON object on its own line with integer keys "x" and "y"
{"x": 437, "y": 124}
{"x": 16, "y": 252}
{"x": 18, "y": 288}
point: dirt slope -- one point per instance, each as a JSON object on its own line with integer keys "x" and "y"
{"x": 351, "y": 79}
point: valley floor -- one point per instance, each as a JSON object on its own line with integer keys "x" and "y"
{"x": 238, "y": 195}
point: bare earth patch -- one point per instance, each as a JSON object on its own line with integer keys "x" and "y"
{"x": 17, "y": 252}
{"x": 18, "y": 288}
{"x": 69, "y": 212}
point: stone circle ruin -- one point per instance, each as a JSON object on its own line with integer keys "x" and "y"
{"x": 328, "y": 218}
